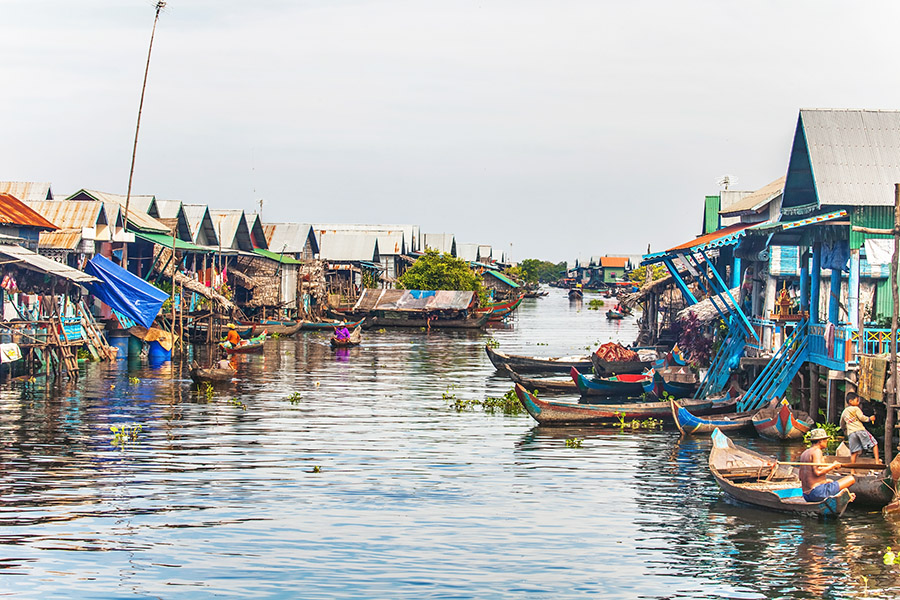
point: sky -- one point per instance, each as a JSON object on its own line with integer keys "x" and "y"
{"x": 549, "y": 130}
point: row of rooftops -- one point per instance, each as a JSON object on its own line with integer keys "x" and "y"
{"x": 101, "y": 216}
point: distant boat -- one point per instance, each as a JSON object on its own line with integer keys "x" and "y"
{"x": 199, "y": 375}
{"x": 614, "y": 315}
{"x": 497, "y": 311}
{"x": 251, "y": 345}
{"x": 576, "y": 294}
{"x": 756, "y": 480}
{"x": 326, "y": 325}
{"x": 354, "y": 339}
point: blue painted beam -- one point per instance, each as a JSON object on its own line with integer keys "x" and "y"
{"x": 685, "y": 292}
{"x": 815, "y": 276}
{"x": 804, "y": 282}
{"x": 736, "y": 273}
{"x": 834, "y": 297}
{"x": 737, "y": 308}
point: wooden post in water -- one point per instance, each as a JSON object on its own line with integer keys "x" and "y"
{"x": 892, "y": 398}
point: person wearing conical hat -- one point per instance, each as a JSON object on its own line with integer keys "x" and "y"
{"x": 233, "y": 337}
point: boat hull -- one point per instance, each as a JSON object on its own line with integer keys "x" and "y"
{"x": 328, "y": 325}
{"x": 548, "y": 412}
{"x": 536, "y": 364}
{"x": 619, "y": 385}
{"x": 691, "y": 424}
{"x": 782, "y": 423}
{"x": 548, "y": 385}
{"x": 605, "y": 368}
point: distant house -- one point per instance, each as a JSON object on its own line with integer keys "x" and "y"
{"x": 499, "y": 284}
{"x": 392, "y": 245}
{"x": 203, "y": 231}
{"x": 84, "y": 229}
{"x": 612, "y": 268}
{"x": 348, "y": 256}
{"x": 297, "y": 240}
{"x": 442, "y": 242}
{"x": 27, "y": 191}
{"x": 232, "y": 230}
{"x": 171, "y": 214}
{"x": 20, "y": 222}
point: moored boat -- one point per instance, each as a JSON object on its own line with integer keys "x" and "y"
{"x": 498, "y": 311}
{"x": 549, "y": 412}
{"x": 541, "y": 384}
{"x": 326, "y": 325}
{"x": 606, "y": 367}
{"x": 614, "y": 315}
{"x": 874, "y": 487}
{"x": 780, "y": 422}
{"x": 537, "y": 364}
{"x": 576, "y": 294}
{"x": 247, "y": 329}
{"x": 750, "y": 478}
{"x": 400, "y": 318}
{"x": 251, "y": 345}
{"x": 689, "y": 423}
{"x": 617, "y": 385}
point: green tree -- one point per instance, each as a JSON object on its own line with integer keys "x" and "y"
{"x": 534, "y": 270}
{"x": 639, "y": 275}
{"x": 439, "y": 271}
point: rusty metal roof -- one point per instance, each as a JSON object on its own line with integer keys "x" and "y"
{"x": 15, "y": 212}
{"x": 232, "y": 229}
{"x": 22, "y": 257}
{"x": 62, "y": 239}
{"x": 27, "y": 191}
{"x": 348, "y": 246}
{"x": 137, "y": 208}
{"x": 290, "y": 238}
{"x": 71, "y": 215}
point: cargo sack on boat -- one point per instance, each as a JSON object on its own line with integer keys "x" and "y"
{"x": 613, "y": 352}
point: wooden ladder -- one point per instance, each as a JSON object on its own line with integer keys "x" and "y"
{"x": 96, "y": 343}
{"x": 66, "y": 356}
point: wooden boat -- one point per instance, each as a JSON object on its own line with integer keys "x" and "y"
{"x": 282, "y": 328}
{"x": 536, "y": 294}
{"x": 354, "y": 339}
{"x": 605, "y": 368}
{"x": 537, "y": 364}
{"x": 550, "y": 385}
{"x": 756, "y": 480}
{"x": 779, "y": 422}
{"x": 614, "y": 315}
{"x": 874, "y": 487}
{"x": 402, "y": 318}
{"x": 252, "y": 345}
{"x": 576, "y": 294}
{"x": 498, "y": 311}
{"x": 199, "y": 375}
{"x": 329, "y": 325}
{"x": 617, "y": 385}
{"x": 676, "y": 389}
{"x": 689, "y": 423}
{"x": 549, "y": 412}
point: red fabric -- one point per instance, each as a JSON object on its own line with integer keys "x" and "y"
{"x": 613, "y": 352}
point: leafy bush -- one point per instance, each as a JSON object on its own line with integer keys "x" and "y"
{"x": 440, "y": 271}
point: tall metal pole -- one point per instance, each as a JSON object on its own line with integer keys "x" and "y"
{"x": 159, "y": 6}
{"x": 892, "y": 398}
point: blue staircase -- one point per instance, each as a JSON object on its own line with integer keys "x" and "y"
{"x": 725, "y": 361}
{"x": 777, "y": 375}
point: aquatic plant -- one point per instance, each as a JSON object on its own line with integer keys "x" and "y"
{"x": 492, "y": 343}
{"x": 574, "y": 442}
{"x": 650, "y": 423}
{"x": 835, "y": 435}
{"x": 595, "y": 304}
{"x": 207, "y": 390}
{"x": 294, "y": 398}
{"x": 316, "y": 469}
{"x": 275, "y": 336}
{"x": 890, "y": 558}
{"x": 125, "y": 433}
{"x": 382, "y": 330}
{"x": 134, "y": 380}
{"x": 237, "y": 403}
{"x": 508, "y": 403}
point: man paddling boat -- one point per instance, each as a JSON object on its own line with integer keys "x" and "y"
{"x": 817, "y": 487}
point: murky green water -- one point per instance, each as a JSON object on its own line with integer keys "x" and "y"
{"x": 218, "y": 496}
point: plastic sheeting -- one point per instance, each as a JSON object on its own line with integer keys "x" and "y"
{"x": 124, "y": 291}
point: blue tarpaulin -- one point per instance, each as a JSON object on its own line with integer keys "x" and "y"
{"x": 125, "y": 292}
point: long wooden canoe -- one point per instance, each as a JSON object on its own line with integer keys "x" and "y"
{"x": 354, "y": 340}
{"x": 537, "y": 364}
{"x": 500, "y": 310}
{"x": 617, "y": 385}
{"x": 874, "y": 487}
{"x": 780, "y": 422}
{"x": 400, "y": 318}
{"x": 213, "y": 376}
{"x": 689, "y": 423}
{"x": 756, "y": 480}
{"x": 541, "y": 384}
{"x": 549, "y": 412}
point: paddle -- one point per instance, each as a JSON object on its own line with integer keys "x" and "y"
{"x": 843, "y": 465}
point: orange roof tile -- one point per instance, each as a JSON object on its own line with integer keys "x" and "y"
{"x": 14, "y": 211}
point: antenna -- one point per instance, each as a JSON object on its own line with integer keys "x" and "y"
{"x": 260, "y": 202}
{"x": 726, "y": 180}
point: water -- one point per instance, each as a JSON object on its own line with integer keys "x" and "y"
{"x": 411, "y": 499}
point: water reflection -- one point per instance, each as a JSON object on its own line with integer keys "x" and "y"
{"x": 349, "y": 475}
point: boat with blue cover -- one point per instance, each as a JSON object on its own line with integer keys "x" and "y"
{"x": 617, "y": 385}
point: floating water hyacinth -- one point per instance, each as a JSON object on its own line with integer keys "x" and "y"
{"x": 123, "y": 434}
{"x": 889, "y": 557}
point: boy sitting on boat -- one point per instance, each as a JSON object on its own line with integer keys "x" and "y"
{"x": 858, "y": 438}
{"x": 817, "y": 487}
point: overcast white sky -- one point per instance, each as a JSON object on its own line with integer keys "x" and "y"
{"x": 554, "y": 129}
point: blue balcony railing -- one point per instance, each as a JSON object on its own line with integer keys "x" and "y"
{"x": 835, "y": 351}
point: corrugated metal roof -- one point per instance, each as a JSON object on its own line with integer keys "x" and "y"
{"x": 414, "y": 300}
{"x": 502, "y": 278}
{"x": 854, "y": 157}
{"x": 168, "y": 209}
{"x": 15, "y": 212}
{"x": 71, "y": 215}
{"x": 442, "y": 242}
{"x": 485, "y": 252}
{"x": 392, "y": 239}
{"x": 716, "y": 238}
{"x": 467, "y": 252}
{"x": 202, "y": 229}
{"x": 232, "y": 229}
{"x": 62, "y": 239}
{"x": 278, "y": 257}
{"x": 755, "y": 201}
{"x": 137, "y": 208}
{"x": 27, "y": 259}
{"x": 27, "y": 191}
{"x": 257, "y": 234}
{"x": 349, "y": 247}
{"x": 166, "y": 241}
{"x": 290, "y": 238}
{"x": 614, "y": 262}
